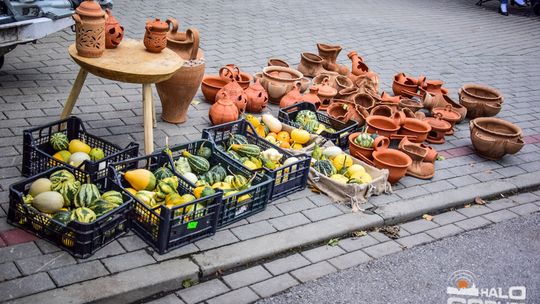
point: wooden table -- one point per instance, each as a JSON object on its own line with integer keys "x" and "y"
{"x": 130, "y": 63}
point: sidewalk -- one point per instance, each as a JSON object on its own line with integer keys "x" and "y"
{"x": 470, "y": 45}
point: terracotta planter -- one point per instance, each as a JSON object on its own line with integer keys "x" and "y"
{"x": 177, "y": 92}
{"x": 224, "y": 110}
{"x": 114, "y": 32}
{"x": 385, "y": 97}
{"x": 418, "y": 168}
{"x": 256, "y": 97}
{"x": 411, "y": 104}
{"x": 364, "y": 100}
{"x": 347, "y": 94}
{"x": 331, "y": 76}
{"x": 433, "y": 86}
{"x": 340, "y": 110}
{"x": 382, "y": 110}
{"x": 278, "y": 81}
{"x": 431, "y": 155}
{"x": 395, "y": 161}
{"x": 493, "y": 138}
{"x": 292, "y": 97}
{"x": 313, "y": 97}
{"x": 329, "y": 53}
{"x": 448, "y": 114}
{"x": 358, "y": 65}
{"x": 439, "y": 128}
{"x": 211, "y": 84}
{"x": 89, "y": 29}
{"x": 155, "y": 35}
{"x": 343, "y": 82}
{"x": 310, "y": 65}
{"x": 480, "y": 100}
{"x": 382, "y": 125}
{"x": 277, "y": 62}
{"x": 358, "y": 151}
{"x": 415, "y": 127}
{"x": 403, "y": 87}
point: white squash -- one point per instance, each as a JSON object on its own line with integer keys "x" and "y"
{"x": 77, "y": 158}
{"x": 190, "y": 177}
{"x": 272, "y": 123}
{"x": 331, "y": 152}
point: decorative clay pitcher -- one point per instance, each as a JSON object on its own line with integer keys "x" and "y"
{"x": 155, "y": 36}
{"x": 90, "y": 29}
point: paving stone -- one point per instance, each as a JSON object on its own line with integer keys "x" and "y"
{"x": 132, "y": 242}
{"x": 322, "y": 253}
{"x": 221, "y": 238}
{"x": 113, "y": 248}
{"x": 319, "y": 213}
{"x": 415, "y": 240}
{"x": 128, "y": 260}
{"x": 524, "y": 198}
{"x": 170, "y": 299}
{"x": 45, "y": 262}
{"x": 349, "y": 260}
{"x": 474, "y": 210}
{"x": 473, "y": 223}
{"x": 270, "y": 212}
{"x": 383, "y": 249}
{"x": 253, "y": 230}
{"x": 78, "y": 273}
{"x": 499, "y": 216}
{"x": 463, "y": 181}
{"x": 525, "y": 209}
{"x": 239, "y": 296}
{"x": 448, "y": 217}
{"x": 418, "y": 226}
{"x": 379, "y": 236}
{"x": 353, "y": 244}
{"x": 8, "y": 271}
{"x": 202, "y": 291}
{"x": 313, "y": 272}
{"x": 16, "y": 236}
{"x": 25, "y": 286}
{"x": 175, "y": 253}
{"x": 246, "y": 277}
{"x": 504, "y": 203}
{"x": 320, "y": 200}
{"x": 274, "y": 285}
{"x": 289, "y": 221}
{"x": 46, "y": 247}
{"x": 411, "y": 192}
{"x": 444, "y": 231}
{"x": 286, "y": 264}
{"x": 296, "y": 205}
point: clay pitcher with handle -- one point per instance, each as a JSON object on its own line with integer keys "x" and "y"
{"x": 177, "y": 92}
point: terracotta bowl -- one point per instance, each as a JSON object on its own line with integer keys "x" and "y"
{"x": 357, "y": 150}
{"x": 336, "y": 111}
{"x": 381, "y": 125}
{"x": 211, "y": 84}
{"x": 364, "y": 100}
{"x": 382, "y": 110}
{"x": 277, "y": 62}
{"x": 481, "y": 92}
{"x": 493, "y": 138}
{"x": 415, "y": 127}
{"x": 395, "y": 161}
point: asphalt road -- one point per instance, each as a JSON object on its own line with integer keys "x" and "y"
{"x": 503, "y": 255}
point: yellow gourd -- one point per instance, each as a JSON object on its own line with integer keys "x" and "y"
{"x": 342, "y": 161}
{"x": 297, "y": 146}
{"x": 283, "y": 136}
{"x": 253, "y": 120}
{"x": 300, "y": 136}
{"x": 260, "y": 130}
{"x": 354, "y": 169}
{"x": 141, "y": 179}
{"x": 339, "y": 178}
{"x": 76, "y": 145}
{"x": 272, "y": 123}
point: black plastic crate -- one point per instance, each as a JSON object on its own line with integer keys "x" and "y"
{"x": 38, "y": 152}
{"x": 79, "y": 239}
{"x": 343, "y": 129}
{"x": 287, "y": 179}
{"x": 166, "y": 228}
{"x": 231, "y": 209}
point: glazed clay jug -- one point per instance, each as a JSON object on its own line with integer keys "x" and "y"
{"x": 177, "y": 92}
{"x": 155, "y": 36}
{"x": 224, "y": 110}
{"x": 90, "y": 29}
{"x": 257, "y": 98}
{"x": 114, "y": 32}
{"x": 292, "y": 97}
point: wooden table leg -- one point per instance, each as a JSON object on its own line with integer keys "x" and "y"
{"x": 153, "y": 112}
{"x": 147, "y": 113}
{"x": 74, "y": 94}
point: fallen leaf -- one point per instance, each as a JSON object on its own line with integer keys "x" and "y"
{"x": 188, "y": 283}
{"x": 440, "y": 157}
{"x": 467, "y": 206}
{"x": 427, "y": 217}
{"x": 359, "y": 233}
{"x": 390, "y": 231}
{"x": 333, "y": 242}
{"x": 195, "y": 102}
{"x": 479, "y": 201}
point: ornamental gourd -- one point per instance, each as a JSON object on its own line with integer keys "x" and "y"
{"x": 87, "y": 194}
{"x": 83, "y": 215}
{"x": 325, "y": 167}
{"x": 163, "y": 172}
{"x": 113, "y": 197}
{"x": 300, "y": 136}
{"x": 198, "y": 164}
{"x": 59, "y": 141}
{"x": 273, "y": 123}
{"x": 247, "y": 149}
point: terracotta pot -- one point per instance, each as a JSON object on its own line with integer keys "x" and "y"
{"x": 223, "y": 111}
{"x": 401, "y": 87}
{"x": 211, "y": 84}
{"x": 313, "y": 97}
{"x": 329, "y": 53}
{"x": 257, "y": 98}
{"x": 493, "y": 138}
{"x": 431, "y": 100}
{"x": 433, "y": 86}
{"x": 382, "y": 110}
{"x": 277, "y": 62}
{"x": 382, "y": 125}
{"x": 358, "y": 65}
{"x": 331, "y": 76}
{"x": 357, "y": 150}
{"x": 385, "y": 97}
{"x": 448, "y": 114}
{"x": 177, "y": 92}
{"x": 292, "y": 97}
{"x": 415, "y": 127}
{"x": 439, "y": 128}
{"x": 411, "y": 104}
{"x": 155, "y": 35}
{"x": 418, "y": 168}
{"x": 278, "y": 81}
{"x": 481, "y": 93}
{"x": 230, "y": 72}
{"x": 455, "y": 106}
{"x": 368, "y": 83}
{"x": 480, "y": 100}
{"x": 304, "y": 84}
{"x": 325, "y": 93}
{"x": 236, "y": 93}
{"x": 347, "y": 94}
{"x": 431, "y": 155}
{"x": 343, "y": 82}
{"x": 364, "y": 100}
{"x": 340, "y": 110}
{"x": 245, "y": 80}
{"x": 114, "y": 32}
{"x": 395, "y": 161}
{"x": 90, "y": 29}
{"x": 310, "y": 65}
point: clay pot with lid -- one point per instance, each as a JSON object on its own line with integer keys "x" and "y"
{"x": 313, "y": 97}
{"x": 310, "y": 65}
{"x": 480, "y": 100}
{"x": 417, "y": 129}
{"x": 444, "y": 99}
{"x": 278, "y": 81}
{"x": 277, "y": 62}
{"x": 177, "y": 92}
{"x": 325, "y": 93}
{"x": 292, "y": 97}
{"x": 114, "y": 32}
{"x": 329, "y": 53}
{"x": 257, "y": 98}
{"x": 155, "y": 35}
{"x": 89, "y": 29}
{"x": 439, "y": 128}
{"x": 493, "y": 138}
{"x": 395, "y": 161}
{"x": 224, "y": 110}
{"x": 448, "y": 114}
{"x": 358, "y": 65}
{"x": 382, "y": 125}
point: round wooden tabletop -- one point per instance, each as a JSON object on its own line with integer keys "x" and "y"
{"x": 131, "y": 63}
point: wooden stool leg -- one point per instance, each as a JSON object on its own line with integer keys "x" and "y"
{"x": 147, "y": 113}
{"x": 154, "y": 112}
{"x": 74, "y": 94}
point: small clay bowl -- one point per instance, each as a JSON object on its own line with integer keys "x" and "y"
{"x": 211, "y": 84}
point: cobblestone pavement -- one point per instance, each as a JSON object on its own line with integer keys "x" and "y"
{"x": 450, "y": 40}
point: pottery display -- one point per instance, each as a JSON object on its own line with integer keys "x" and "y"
{"x": 277, "y": 62}
{"x": 395, "y": 161}
{"x": 155, "y": 35}
{"x": 382, "y": 110}
{"x": 114, "y": 32}
{"x": 310, "y": 65}
{"x": 439, "y": 128}
{"x": 404, "y": 86}
{"x": 449, "y": 114}
{"x": 417, "y": 129}
{"x": 365, "y": 101}
{"x": 313, "y": 96}
{"x": 235, "y": 93}
{"x": 493, "y": 138}
{"x": 211, "y": 84}
{"x": 329, "y": 53}
{"x": 325, "y": 93}
{"x": 358, "y": 65}
{"x": 382, "y": 125}
{"x": 410, "y": 103}
{"x": 278, "y": 81}
{"x": 256, "y": 97}
{"x": 224, "y": 110}
{"x": 347, "y": 94}
{"x": 292, "y": 97}
{"x": 385, "y": 97}
{"x": 419, "y": 168}
{"x": 177, "y": 92}
{"x": 431, "y": 155}
{"x": 480, "y": 100}
{"x": 89, "y": 29}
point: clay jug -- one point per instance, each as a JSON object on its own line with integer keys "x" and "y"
{"x": 310, "y": 65}
{"x": 235, "y": 93}
{"x": 114, "y": 32}
{"x": 223, "y": 110}
{"x": 257, "y": 98}
{"x": 155, "y": 36}
{"x": 292, "y": 97}
{"x": 177, "y": 92}
{"x": 358, "y": 65}
{"x": 313, "y": 97}
{"x": 90, "y": 29}
{"x": 329, "y": 53}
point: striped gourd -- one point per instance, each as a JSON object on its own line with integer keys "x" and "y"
{"x": 60, "y": 177}
{"x": 147, "y": 197}
{"x": 162, "y": 173}
{"x": 311, "y": 126}
{"x": 83, "y": 215}
{"x": 101, "y": 206}
{"x": 113, "y": 197}
{"x": 59, "y": 141}
{"x": 63, "y": 216}
{"x": 239, "y": 182}
{"x": 87, "y": 194}
{"x": 237, "y": 139}
{"x": 216, "y": 174}
{"x": 325, "y": 167}
{"x": 165, "y": 187}
{"x": 198, "y": 164}
{"x": 247, "y": 149}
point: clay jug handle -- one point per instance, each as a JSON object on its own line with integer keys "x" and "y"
{"x": 77, "y": 18}
{"x": 448, "y": 108}
{"x": 421, "y": 80}
{"x": 298, "y": 85}
{"x": 229, "y": 73}
{"x": 173, "y": 24}
{"x": 381, "y": 143}
{"x": 194, "y": 34}
{"x": 398, "y": 118}
{"x": 325, "y": 81}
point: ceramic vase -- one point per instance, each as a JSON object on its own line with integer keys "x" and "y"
{"x": 90, "y": 29}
